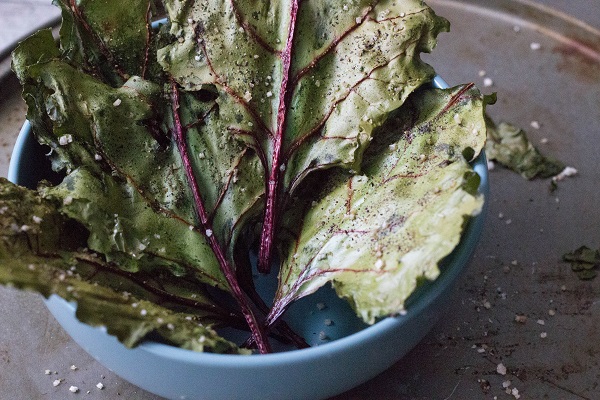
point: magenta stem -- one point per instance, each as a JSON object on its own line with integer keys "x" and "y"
{"x": 179, "y": 135}
{"x": 271, "y": 216}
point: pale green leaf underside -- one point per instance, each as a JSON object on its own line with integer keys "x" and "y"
{"x": 375, "y": 235}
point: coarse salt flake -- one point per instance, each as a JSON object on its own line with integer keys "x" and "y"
{"x": 515, "y": 393}
{"x": 73, "y": 368}
{"x": 487, "y": 82}
{"x": 543, "y": 335}
{"x": 209, "y": 232}
{"x": 117, "y": 102}
{"x": 65, "y": 139}
{"x": 521, "y": 319}
{"x": 501, "y": 369}
{"x": 541, "y": 322}
{"x": 97, "y": 157}
{"x": 269, "y": 93}
{"x": 535, "y": 124}
{"x": 36, "y": 219}
{"x": 506, "y": 384}
{"x": 73, "y": 389}
{"x": 57, "y": 382}
{"x": 143, "y": 312}
{"x": 535, "y": 46}
{"x": 100, "y": 385}
{"x": 67, "y": 200}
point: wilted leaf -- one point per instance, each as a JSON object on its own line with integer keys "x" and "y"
{"x": 510, "y": 146}
{"x": 376, "y": 234}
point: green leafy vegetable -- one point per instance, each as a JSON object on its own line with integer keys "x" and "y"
{"x": 510, "y": 146}
{"x": 584, "y": 262}
{"x": 184, "y": 145}
{"x": 374, "y": 235}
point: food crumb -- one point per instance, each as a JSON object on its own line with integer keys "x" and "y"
{"x": 501, "y": 369}
{"x": 515, "y": 393}
{"x": 73, "y": 389}
{"x": 568, "y": 171}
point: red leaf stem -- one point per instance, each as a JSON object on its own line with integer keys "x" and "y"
{"x": 179, "y": 136}
{"x": 274, "y": 181}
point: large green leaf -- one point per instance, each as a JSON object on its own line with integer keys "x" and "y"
{"x": 41, "y": 250}
{"x": 375, "y": 235}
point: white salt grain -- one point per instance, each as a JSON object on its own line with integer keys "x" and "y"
{"x": 73, "y": 389}
{"x": 501, "y": 369}
{"x": 65, "y": 139}
{"x": 100, "y": 385}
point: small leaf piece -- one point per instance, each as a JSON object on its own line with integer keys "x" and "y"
{"x": 510, "y": 147}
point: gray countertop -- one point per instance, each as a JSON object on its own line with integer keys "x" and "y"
{"x": 516, "y": 269}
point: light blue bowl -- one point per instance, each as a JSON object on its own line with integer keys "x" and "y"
{"x": 353, "y": 354}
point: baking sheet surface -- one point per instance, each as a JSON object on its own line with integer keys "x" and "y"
{"x": 543, "y": 59}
